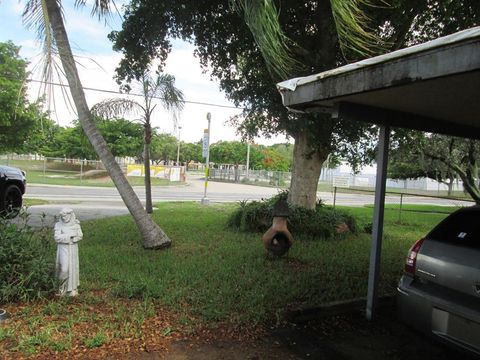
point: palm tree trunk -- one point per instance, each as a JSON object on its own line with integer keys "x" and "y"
{"x": 153, "y": 236}
{"x": 146, "y": 162}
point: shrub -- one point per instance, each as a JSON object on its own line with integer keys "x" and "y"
{"x": 27, "y": 269}
{"x": 256, "y": 216}
{"x": 368, "y": 228}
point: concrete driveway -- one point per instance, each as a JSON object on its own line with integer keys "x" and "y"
{"x": 45, "y": 216}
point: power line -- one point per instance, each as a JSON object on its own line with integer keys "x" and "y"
{"x": 133, "y": 94}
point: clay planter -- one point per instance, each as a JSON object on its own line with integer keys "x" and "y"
{"x": 277, "y": 240}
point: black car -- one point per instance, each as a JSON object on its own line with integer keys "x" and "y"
{"x": 12, "y": 188}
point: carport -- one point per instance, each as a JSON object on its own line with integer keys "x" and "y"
{"x": 433, "y": 87}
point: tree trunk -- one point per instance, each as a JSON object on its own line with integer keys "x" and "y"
{"x": 237, "y": 175}
{"x": 146, "y": 159}
{"x": 450, "y": 186}
{"x": 306, "y": 168}
{"x": 152, "y": 235}
{"x": 472, "y": 189}
{"x": 308, "y": 157}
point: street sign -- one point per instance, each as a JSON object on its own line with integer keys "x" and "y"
{"x": 205, "y": 143}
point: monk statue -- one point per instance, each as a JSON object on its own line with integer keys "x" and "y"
{"x": 67, "y": 234}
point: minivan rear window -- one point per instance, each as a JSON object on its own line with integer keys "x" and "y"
{"x": 461, "y": 228}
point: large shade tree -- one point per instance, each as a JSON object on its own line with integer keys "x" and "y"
{"x": 407, "y": 160}
{"x": 444, "y": 158}
{"x": 191, "y": 152}
{"x": 461, "y": 156}
{"x": 18, "y": 117}
{"x": 160, "y": 87}
{"x": 164, "y": 148}
{"x": 46, "y": 16}
{"x": 123, "y": 137}
{"x": 254, "y": 44}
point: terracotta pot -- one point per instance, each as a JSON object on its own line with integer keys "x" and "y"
{"x": 277, "y": 239}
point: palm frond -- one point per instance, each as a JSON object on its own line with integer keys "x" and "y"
{"x": 352, "y": 27}
{"x": 171, "y": 98}
{"x": 35, "y": 17}
{"x": 261, "y": 16}
{"x": 355, "y": 36}
{"x": 100, "y": 8}
{"x": 113, "y": 108}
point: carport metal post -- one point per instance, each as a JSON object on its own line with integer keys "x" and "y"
{"x": 378, "y": 213}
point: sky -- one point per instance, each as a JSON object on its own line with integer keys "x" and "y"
{"x": 96, "y": 65}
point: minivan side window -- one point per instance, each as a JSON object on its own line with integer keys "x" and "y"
{"x": 461, "y": 228}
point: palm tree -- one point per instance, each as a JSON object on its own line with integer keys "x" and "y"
{"x": 350, "y": 21}
{"x": 161, "y": 87}
{"x": 47, "y": 17}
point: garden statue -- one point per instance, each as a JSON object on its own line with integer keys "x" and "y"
{"x": 277, "y": 240}
{"x": 67, "y": 234}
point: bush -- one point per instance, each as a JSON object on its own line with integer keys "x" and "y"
{"x": 256, "y": 216}
{"x": 368, "y": 228}
{"x": 27, "y": 269}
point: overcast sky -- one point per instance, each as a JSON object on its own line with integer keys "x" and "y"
{"x": 97, "y": 63}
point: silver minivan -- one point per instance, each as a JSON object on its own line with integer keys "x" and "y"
{"x": 439, "y": 292}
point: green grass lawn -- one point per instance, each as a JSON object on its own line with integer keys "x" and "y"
{"x": 30, "y": 202}
{"x": 222, "y": 275}
{"x": 73, "y": 179}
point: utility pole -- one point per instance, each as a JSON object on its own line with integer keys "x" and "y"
{"x": 248, "y": 158}
{"x": 206, "y": 154}
{"x": 178, "y": 146}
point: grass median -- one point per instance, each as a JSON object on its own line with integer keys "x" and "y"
{"x": 73, "y": 179}
{"x": 210, "y": 276}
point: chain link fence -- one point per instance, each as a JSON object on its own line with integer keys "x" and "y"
{"x": 257, "y": 177}
{"x": 341, "y": 188}
{"x": 51, "y": 167}
{"x": 41, "y": 169}
{"x": 399, "y": 201}
{"x": 331, "y": 178}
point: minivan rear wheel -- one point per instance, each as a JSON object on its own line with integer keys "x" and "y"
{"x": 11, "y": 201}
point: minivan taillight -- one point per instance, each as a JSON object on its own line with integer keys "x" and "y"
{"x": 412, "y": 257}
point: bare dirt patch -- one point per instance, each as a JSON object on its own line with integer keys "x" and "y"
{"x": 167, "y": 335}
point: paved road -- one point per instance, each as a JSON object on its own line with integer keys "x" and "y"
{"x": 93, "y": 202}
{"x": 193, "y": 191}
{"x": 217, "y": 192}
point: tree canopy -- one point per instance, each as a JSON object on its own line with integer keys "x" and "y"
{"x": 18, "y": 117}
{"x": 164, "y": 147}
{"x": 191, "y": 152}
{"x": 440, "y": 157}
{"x": 224, "y": 42}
